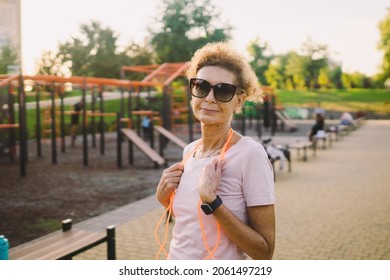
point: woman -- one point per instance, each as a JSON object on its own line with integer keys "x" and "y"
{"x": 222, "y": 194}
{"x": 318, "y": 126}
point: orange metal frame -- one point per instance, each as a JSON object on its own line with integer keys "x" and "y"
{"x": 163, "y": 74}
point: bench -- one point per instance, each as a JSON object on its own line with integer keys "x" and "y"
{"x": 343, "y": 130}
{"x": 303, "y": 146}
{"x": 333, "y": 133}
{"x": 65, "y": 244}
{"x": 321, "y": 136}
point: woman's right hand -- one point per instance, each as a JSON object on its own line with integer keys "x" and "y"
{"x": 169, "y": 182}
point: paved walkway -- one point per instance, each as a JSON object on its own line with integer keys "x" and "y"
{"x": 334, "y": 206}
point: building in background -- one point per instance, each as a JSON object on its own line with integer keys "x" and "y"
{"x": 10, "y": 29}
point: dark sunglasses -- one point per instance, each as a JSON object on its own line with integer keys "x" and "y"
{"x": 222, "y": 91}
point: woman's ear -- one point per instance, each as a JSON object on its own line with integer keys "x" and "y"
{"x": 240, "y": 102}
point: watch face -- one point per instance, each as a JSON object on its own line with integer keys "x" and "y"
{"x": 207, "y": 209}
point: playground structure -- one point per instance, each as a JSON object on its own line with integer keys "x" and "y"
{"x": 174, "y": 115}
{"x": 54, "y": 115}
{"x": 175, "y": 109}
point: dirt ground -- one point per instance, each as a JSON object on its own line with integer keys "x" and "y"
{"x": 35, "y": 205}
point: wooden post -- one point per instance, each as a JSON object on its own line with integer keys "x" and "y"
{"x": 66, "y": 224}
{"x": 273, "y": 115}
{"x": 38, "y": 128}
{"x": 161, "y": 144}
{"x": 93, "y": 123}
{"x": 22, "y": 128}
{"x": 12, "y": 132}
{"x": 190, "y": 119}
{"x": 258, "y": 121}
{"x": 118, "y": 141}
{"x": 111, "y": 250}
{"x": 53, "y": 126}
{"x": 61, "y": 94}
{"x": 84, "y": 125}
{"x": 151, "y": 131}
{"x": 131, "y": 154}
{"x": 101, "y": 121}
{"x": 243, "y": 122}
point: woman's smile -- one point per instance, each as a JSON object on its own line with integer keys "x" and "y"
{"x": 208, "y": 111}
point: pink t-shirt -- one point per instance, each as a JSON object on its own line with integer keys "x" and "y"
{"x": 247, "y": 180}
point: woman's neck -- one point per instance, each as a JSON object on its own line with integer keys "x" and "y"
{"x": 214, "y": 137}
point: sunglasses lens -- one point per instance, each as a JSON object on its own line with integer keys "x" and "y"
{"x": 224, "y": 92}
{"x": 199, "y": 87}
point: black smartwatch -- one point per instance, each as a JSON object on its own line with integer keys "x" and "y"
{"x": 209, "y": 208}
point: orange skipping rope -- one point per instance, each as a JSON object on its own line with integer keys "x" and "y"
{"x": 168, "y": 211}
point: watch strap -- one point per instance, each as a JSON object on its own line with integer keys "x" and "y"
{"x": 209, "y": 208}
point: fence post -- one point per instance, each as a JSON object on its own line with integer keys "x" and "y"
{"x": 111, "y": 252}
{"x": 22, "y": 127}
{"x": 118, "y": 140}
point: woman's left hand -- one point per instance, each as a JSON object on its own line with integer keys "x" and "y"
{"x": 210, "y": 180}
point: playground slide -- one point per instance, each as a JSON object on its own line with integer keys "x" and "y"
{"x": 289, "y": 124}
{"x": 143, "y": 146}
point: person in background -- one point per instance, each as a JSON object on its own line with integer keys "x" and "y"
{"x": 346, "y": 119}
{"x": 222, "y": 193}
{"x": 319, "y": 110}
{"x": 146, "y": 127}
{"x": 318, "y": 125}
{"x": 75, "y": 120}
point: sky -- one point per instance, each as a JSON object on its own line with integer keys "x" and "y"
{"x": 348, "y": 27}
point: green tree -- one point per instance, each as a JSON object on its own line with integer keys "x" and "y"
{"x": 346, "y": 80}
{"x": 384, "y": 45}
{"x": 323, "y": 78}
{"x": 276, "y": 74}
{"x": 295, "y": 70}
{"x": 52, "y": 64}
{"x": 359, "y": 80}
{"x": 135, "y": 54}
{"x": 303, "y": 67}
{"x": 95, "y": 53}
{"x": 274, "y": 78}
{"x": 313, "y": 58}
{"x": 335, "y": 74}
{"x": 355, "y": 80}
{"x": 8, "y": 57}
{"x": 260, "y": 59}
{"x": 183, "y": 26}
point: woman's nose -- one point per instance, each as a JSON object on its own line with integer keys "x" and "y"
{"x": 210, "y": 96}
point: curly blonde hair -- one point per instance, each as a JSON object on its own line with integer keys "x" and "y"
{"x": 221, "y": 54}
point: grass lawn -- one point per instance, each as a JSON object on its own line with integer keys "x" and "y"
{"x": 352, "y": 100}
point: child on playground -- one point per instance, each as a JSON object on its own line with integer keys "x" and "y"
{"x": 75, "y": 119}
{"x": 146, "y": 127}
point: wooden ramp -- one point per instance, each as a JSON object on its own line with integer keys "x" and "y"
{"x": 161, "y": 130}
{"x": 143, "y": 146}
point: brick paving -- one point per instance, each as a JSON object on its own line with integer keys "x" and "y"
{"x": 334, "y": 206}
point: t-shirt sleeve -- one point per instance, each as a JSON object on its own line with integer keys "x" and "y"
{"x": 187, "y": 149}
{"x": 258, "y": 178}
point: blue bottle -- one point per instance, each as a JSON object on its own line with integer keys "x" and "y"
{"x": 3, "y": 248}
